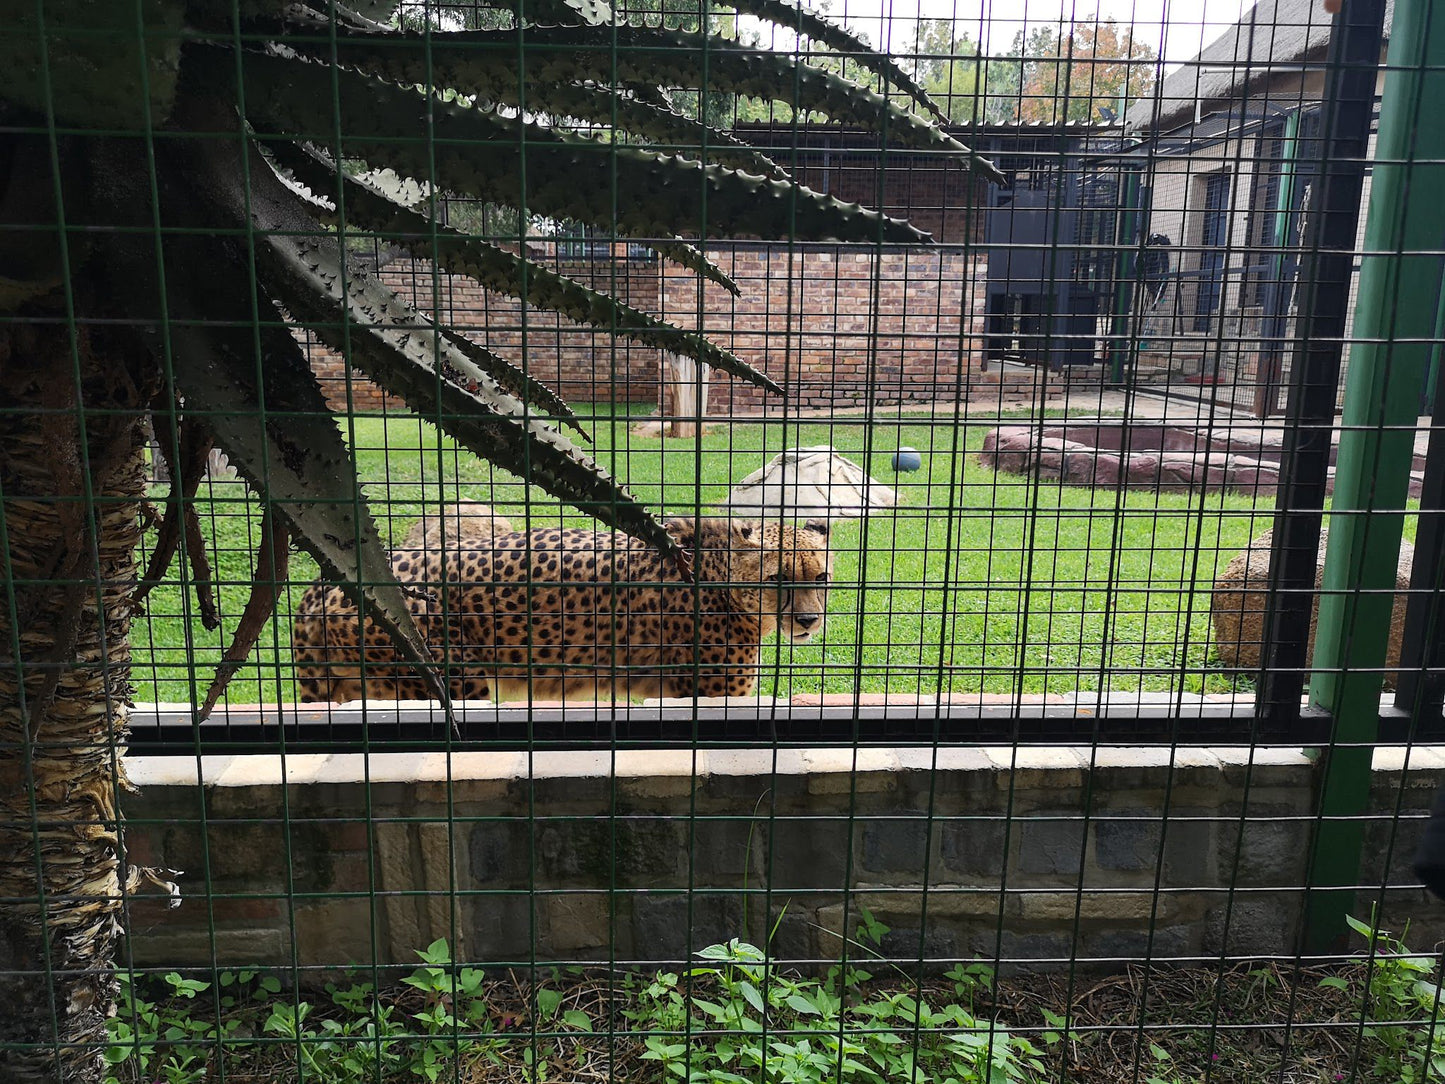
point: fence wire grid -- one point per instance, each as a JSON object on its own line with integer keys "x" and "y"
{"x": 731, "y": 544}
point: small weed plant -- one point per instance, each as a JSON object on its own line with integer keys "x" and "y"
{"x": 1401, "y": 1013}
{"x": 743, "y": 1020}
{"x": 735, "y": 1017}
{"x": 444, "y": 1017}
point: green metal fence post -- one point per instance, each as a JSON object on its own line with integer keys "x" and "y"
{"x": 1284, "y": 195}
{"x": 1397, "y": 302}
{"x": 1271, "y": 353}
{"x": 1124, "y": 273}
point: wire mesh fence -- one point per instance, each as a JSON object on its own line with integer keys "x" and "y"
{"x": 720, "y": 544}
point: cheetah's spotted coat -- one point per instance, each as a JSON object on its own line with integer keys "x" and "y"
{"x": 579, "y": 613}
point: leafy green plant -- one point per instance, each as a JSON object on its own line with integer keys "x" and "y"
{"x": 1161, "y": 1069}
{"x": 1401, "y": 1006}
{"x": 747, "y": 1020}
{"x": 163, "y": 1038}
{"x": 969, "y": 979}
{"x": 736, "y": 1017}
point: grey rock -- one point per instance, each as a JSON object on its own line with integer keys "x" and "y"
{"x": 1051, "y": 847}
{"x": 896, "y": 846}
{"x": 974, "y": 848}
{"x": 809, "y": 483}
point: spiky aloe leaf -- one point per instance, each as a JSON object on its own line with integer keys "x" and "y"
{"x": 397, "y": 347}
{"x": 492, "y": 424}
{"x": 377, "y": 311}
{"x": 186, "y": 467}
{"x": 273, "y": 561}
{"x": 243, "y": 378}
{"x": 377, "y": 10}
{"x": 90, "y": 65}
{"x": 382, "y": 323}
{"x": 566, "y": 177}
{"x": 369, "y": 207}
{"x": 667, "y": 129}
{"x": 382, "y": 312}
{"x": 563, "y": 12}
{"x": 838, "y": 37}
{"x": 222, "y": 15}
{"x": 278, "y": 431}
{"x": 293, "y": 453}
{"x": 492, "y": 63}
{"x": 692, "y": 258}
{"x": 484, "y": 365}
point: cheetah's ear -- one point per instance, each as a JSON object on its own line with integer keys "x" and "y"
{"x": 818, "y": 526}
{"x": 746, "y": 534}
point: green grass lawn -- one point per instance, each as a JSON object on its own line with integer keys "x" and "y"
{"x": 978, "y": 581}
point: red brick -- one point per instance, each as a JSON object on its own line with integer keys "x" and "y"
{"x": 810, "y": 313}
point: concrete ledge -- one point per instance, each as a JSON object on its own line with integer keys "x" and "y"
{"x": 643, "y": 856}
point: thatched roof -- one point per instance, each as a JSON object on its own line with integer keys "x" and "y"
{"x": 1241, "y": 62}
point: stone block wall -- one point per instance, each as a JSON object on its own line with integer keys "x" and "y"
{"x": 1033, "y": 857}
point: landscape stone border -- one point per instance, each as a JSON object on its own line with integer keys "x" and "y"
{"x": 1168, "y": 458}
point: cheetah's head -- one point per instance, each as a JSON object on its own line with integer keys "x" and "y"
{"x": 777, "y": 571}
{"x": 797, "y": 569}
{"x": 794, "y": 568}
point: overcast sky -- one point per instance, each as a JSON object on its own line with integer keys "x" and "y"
{"x": 1177, "y": 28}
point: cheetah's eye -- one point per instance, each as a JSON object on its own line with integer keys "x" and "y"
{"x": 822, "y": 577}
{"x": 776, "y": 577}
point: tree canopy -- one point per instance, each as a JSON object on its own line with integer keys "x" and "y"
{"x": 1047, "y": 74}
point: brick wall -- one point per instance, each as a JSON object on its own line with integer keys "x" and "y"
{"x": 939, "y": 196}
{"x": 577, "y": 361}
{"x": 812, "y": 319}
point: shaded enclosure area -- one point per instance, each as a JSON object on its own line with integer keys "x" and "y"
{"x": 414, "y": 417}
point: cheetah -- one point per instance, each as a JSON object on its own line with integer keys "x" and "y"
{"x": 459, "y": 525}
{"x": 559, "y": 614}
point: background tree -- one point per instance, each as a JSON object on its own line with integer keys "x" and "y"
{"x": 151, "y": 282}
{"x": 1047, "y": 74}
{"x": 1067, "y": 78}
{"x": 948, "y": 66}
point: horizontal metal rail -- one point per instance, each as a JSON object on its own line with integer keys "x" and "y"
{"x": 397, "y": 727}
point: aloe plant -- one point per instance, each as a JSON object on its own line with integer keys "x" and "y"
{"x": 178, "y": 180}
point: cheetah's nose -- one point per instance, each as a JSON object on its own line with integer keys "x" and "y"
{"x": 807, "y": 621}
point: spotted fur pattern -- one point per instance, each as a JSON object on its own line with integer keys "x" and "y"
{"x": 567, "y": 614}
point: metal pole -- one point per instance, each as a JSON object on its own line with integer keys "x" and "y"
{"x": 1325, "y": 273}
{"x": 1278, "y": 289}
{"x": 1125, "y": 276}
{"x": 1420, "y": 690}
{"x": 1400, "y": 276}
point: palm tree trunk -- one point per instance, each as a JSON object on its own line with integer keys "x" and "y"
{"x": 71, "y": 483}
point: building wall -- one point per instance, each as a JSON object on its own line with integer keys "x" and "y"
{"x": 1178, "y": 211}
{"x": 939, "y": 196}
{"x": 819, "y": 319}
{"x": 839, "y": 326}
{"x": 582, "y": 363}
{"x": 1177, "y": 202}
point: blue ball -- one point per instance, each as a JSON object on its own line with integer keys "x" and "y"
{"x": 907, "y": 459}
